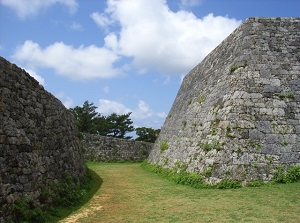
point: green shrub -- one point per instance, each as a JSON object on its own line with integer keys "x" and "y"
{"x": 289, "y": 176}
{"x": 293, "y": 174}
{"x": 229, "y": 184}
{"x": 255, "y": 183}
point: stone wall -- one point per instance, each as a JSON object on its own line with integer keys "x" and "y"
{"x": 237, "y": 113}
{"x": 109, "y": 149}
{"x": 38, "y": 141}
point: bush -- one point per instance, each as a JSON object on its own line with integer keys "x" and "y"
{"x": 293, "y": 174}
{"x": 229, "y": 184}
{"x": 255, "y": 183}
{"x": 289, "y": 176}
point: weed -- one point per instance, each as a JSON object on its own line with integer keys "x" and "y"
{"x": 289, "y": 95}
{"x": 201, "y": 99}
{"x": 258, "y": 147}
{"x": 284, "y": 143}
{"x": 289, "y": 176}
{"x": 184, "y": 124}
{"x": 228, "y": 133}
{"x": 207, "y": 173}
{"x": 206, "y": 147}
{"x": 210, "y": 146}
{"x": 256, "y": 183}
{"x": 229, "y": 184}
{"x": 234, "y": 67}
{"x": 164, "y": 146}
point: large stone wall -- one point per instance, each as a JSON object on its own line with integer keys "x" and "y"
{"x": 38, "y": 141}
{"x": 110, "y": 149}
{"x": 237, "y": 113}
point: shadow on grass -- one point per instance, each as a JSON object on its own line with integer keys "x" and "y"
{"x": 91, "y": 188}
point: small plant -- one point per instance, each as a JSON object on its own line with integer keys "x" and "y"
{"x": 206, "y": 147}
{"x": 164, "y": 146}
{"x": 289, "y": 95}
{"x": 255, "y": 183}
{"x": 284, "y": 143}
{"x": 229, "y": 184}
{"x": 184, "y": 124}
{"x": 208, "y": 172}
{"x": 233, "y": 68}
{"x": 228, "y": 133}
{"x": 190, "y": 102}
{"x": 269, "y": 158}
{"x": 258, "y": 147}
{"x": 201, "y": 99}
{"x": 216, "y": 145}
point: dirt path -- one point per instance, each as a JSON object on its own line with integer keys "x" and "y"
{"x": 104, "y": 204}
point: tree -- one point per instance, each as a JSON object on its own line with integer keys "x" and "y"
{"x": 88, "y": 120}
{"x": 120, "y": 125}
{"x": 85, "y": 117}
{"x": 147, "y": 134}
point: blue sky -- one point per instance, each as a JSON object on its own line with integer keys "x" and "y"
{"x": 122, "y": 55}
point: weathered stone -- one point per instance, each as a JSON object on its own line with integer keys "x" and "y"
{"x": 249, "y": 116}
{"x": 108, "y": 149}
{"x": 29, "y": 139}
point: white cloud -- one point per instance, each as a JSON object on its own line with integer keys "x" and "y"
{"x": 142, "y": 115}
{"x": 106, "y": 89}
{"x": 189, "y": 3}
{"x": 162, "y": 115}
{"x": 39, "y": 78}
{"x": 160, "y": 39}
{"x": 141, "y": 38}
{"x": 75, "y": 63}
{"x": 101, "y": 20}
{"x": 31, "y": 8}
{"x": 107, "y": 107}
{"x": 76, "y": 26}
{"x": 66, "y": 100}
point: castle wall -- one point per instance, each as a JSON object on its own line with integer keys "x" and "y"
{"x": 110, "y": 149}
{"x": 38, "y": 141}
{"x": 237, "y": 113}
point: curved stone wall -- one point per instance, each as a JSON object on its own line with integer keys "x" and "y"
{"x": 237, "y": 113}
{"x": 38, "y": 141}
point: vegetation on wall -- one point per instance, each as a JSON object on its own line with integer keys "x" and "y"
{"x": 291, "y": 175}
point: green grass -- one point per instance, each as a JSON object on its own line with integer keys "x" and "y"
{"x": 130, "y": 193}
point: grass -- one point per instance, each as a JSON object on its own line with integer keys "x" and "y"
{"x": 130, "y": 193}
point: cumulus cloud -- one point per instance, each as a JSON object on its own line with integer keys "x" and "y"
{"x": 160, "y": 39}
{"x": 106, "y": 89}
{"x": 76, "y": 26}
{"x": 141, "y": 112}
{"x": 66, "y": 100}
{"x": 31, "y": 8}
{"x": 151, "y": 38}
{"x": 107, "y": 107}
{"x": 39, "y": 78}
{"x": 189, "y": 3}
{"x": 75, "y": 63}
